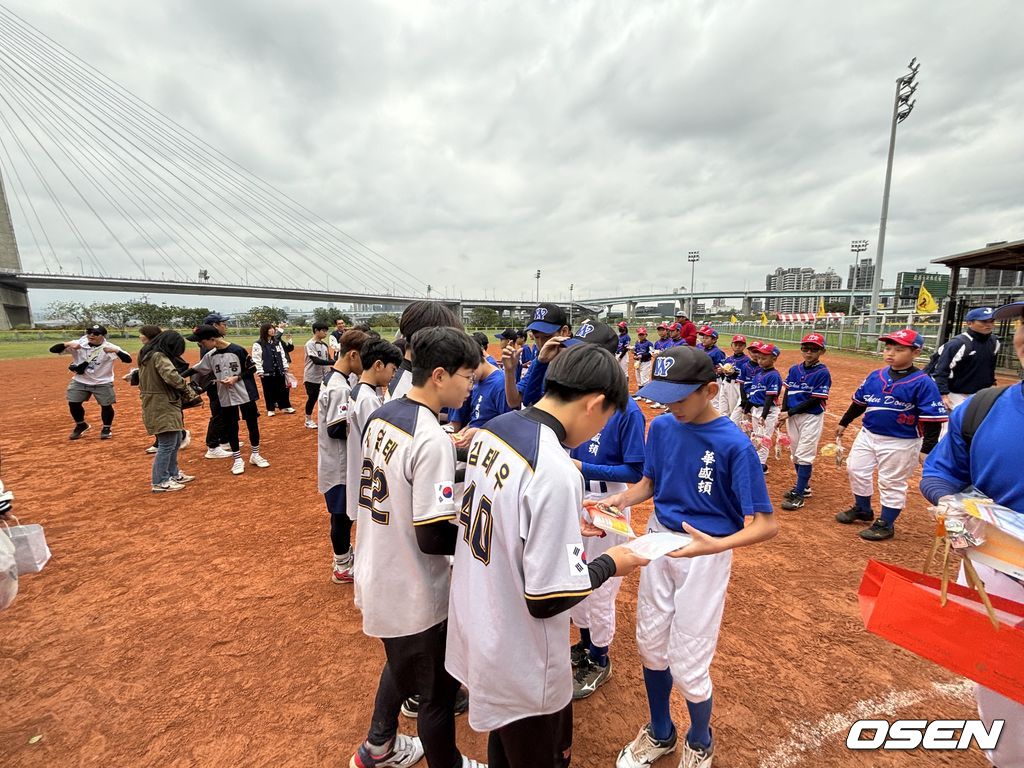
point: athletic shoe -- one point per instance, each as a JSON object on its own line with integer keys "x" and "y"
{"x": 342, "y": 572}
{"x": 411, "y": 706}
{"x": 636, "y": 397}
{"x": 237, "y": 467}
{"x": 470, "y": 763}
{"x": 166, "y": 486}
{"x": 218, "y": 453}
{"x": 854, "y": 513}
{"x": 78, "y": 430}
{"x": 578, "y": 652}
{"x": 407, "y": 750}
{"x": 186, "y": 441}
{"x": 151, "y": 449}
{"x": 182, "y": 478}
{"x": 696, "y": 757}
{"x": 645, "y": 749}
{"x": 227, "y": 446}
{"x": 589, "y": 677}
{"x": 793, "y": 502}
{"x": 105, "y": 433}
{"x": 270, "y": 413}
{"x": 310, "y": 424}
{"x": 764, "y": 469}
{"x": 259, "y": 461}
{"x": 289, "y": 410}
{"x": 877, "y": 531}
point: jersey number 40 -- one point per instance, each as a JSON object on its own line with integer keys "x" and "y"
{"x": 477, "y": 528}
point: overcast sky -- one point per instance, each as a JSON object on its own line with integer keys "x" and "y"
{"x": 473, "y": 143}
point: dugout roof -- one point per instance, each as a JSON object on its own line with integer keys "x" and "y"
{"x": 996, "y": 256}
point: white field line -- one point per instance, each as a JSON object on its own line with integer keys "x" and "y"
{"x": 808, "y": 737}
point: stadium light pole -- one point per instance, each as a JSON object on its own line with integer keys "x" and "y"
{"x": 901, "y": 109}
{"x": 538, "y": 286}
{"x": 857, "y": 247}
{"x": 571, "y": 286}
{"x": 693, "y": 257}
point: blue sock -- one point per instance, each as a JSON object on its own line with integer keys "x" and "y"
{"x": 585, "y": 635}
{"x": 599, "y": 654}
{"x": 699, "y": 734}
{"x": 864, "y": 503}
{"x": 803, "y": 478}
{"x": 889, "y": 514}
{"x": 659, "y": 689}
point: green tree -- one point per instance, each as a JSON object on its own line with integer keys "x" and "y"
{"x": 383, "y": 320}
{"x": 152, "y": 314}
{"x": 190, "y": 317}
{"x": 118, "y": 314}
{"x": 484, "y": 317}
{"x": 263, "y": 314}
{"x": 71, "y": 313}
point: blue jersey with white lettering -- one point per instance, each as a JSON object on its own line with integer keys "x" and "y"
{"x": 743, "y": 366}
{"x": 485, "y": 401}
{"x": 765, "y": 385}
{"x": 623, "y": 347}
{"x": 986, "y": 466}
{"x": 803, "y": 384}
{"x": 895, "y": 408}
{"x": 608, "y": 454}
{"x": 642, "y": 350}
{"x": 665, "y": 343}
{"x": 717, "y": 356}
{"x": 707, "y": 475}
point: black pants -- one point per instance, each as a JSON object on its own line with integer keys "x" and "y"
{"x": 275, "y": 392}
{"x": 312, "y": 393}
{"x": 543, "y": 741}
{"x": 251, "y": 414}
{"x": 415, "y": 665}
{"x": 215, "y": 434}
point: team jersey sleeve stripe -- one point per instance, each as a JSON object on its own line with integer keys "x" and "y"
{"x": 555, "y": 595}
{"x": 432, "y": 520}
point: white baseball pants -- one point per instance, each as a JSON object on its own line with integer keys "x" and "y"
{"x": 737, "y": 415}
{"x": 624, "y": 362}
{"x": 805, "y": 433}
{"x": 728, "y": 398}
{"x": 895, "y": 459}
{"x": 992, "y": 705}
{"x": 597, "y": 611}
{"x": 678, "y": 615}
{"x": 955, "y": 399}
{"x": 643, "y": 373}
{"x": 764, "y": 430}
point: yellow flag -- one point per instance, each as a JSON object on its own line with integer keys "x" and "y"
{"x": 733, "y": 319}
{"x": 764, "y": 319}
{"x": 926, "y": 304}
{"x": 821, "y": 307}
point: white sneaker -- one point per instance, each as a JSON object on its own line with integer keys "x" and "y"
{"x": 218, "y": 453}
{"x": 167, "y": 486}
{"x": 644, "y": 749}
{"x": 151, "y": 449}
{"x": 237, "y": 467}
{"x": 259, "y": 461}
{"x": 470, "y": 763}
{"x": 695, "y": 757}
{"x": 186, "y": 441}
{"x": 406, "y": 751}
{"x": 270, "y": 413}
{"x": 289, "y": 410}
{"x": 310, "y": 424}
{"x": 342, "y": 571}
{"x": 182, "y": 478}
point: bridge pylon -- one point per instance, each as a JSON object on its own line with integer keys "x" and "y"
{"x": 14, "y": 306}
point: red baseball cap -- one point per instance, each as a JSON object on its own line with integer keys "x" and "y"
{"x": 769, "y": 349}
{"x": 907, "y": 337}
{"x": 662, "y": 326}
{"x": 642, "y": 330}
{"x": 740, "y": 337}
{"x": 622, "y": 324}
{"x": 675, "y": 327}
{"x": 814, "y": 338}
{"x": 755, "y": 345}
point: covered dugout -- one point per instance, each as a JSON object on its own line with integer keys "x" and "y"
{"x": 1001, "y": 282}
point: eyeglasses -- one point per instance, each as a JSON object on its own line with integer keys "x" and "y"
{"x": 470, "y": 379}
{"x": 93, "y": 333}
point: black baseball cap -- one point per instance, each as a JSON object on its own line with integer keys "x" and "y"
{"x": 207, "y": 332}
{"x": 509, "y": 334}
{"x": 593, "y": 332}
{"x": 214, "y": 317}
{"x": 678, "y": 372}
{"x": 96, "y": 329}
{"x": 548, "y": 318}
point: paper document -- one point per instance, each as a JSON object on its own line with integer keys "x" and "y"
{"x": 655, "y": 545}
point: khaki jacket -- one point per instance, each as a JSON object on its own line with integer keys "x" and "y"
{"x": 162, "y": 390}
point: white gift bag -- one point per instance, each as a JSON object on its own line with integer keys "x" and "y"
{"x": 30, "y": 550}
{"x": 8, "y": 571}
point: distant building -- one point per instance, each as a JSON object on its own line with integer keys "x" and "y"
{"x": 863, "y": 272}
{"x": 1005, "y": 284}
{"x": 908, "y": 286}
{"x": 800, "y": 279}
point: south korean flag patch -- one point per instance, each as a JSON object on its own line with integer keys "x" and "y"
{"x": 445, "y": 493}
{"x": 577, "y": 559}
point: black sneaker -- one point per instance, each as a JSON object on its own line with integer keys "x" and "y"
{"x": 411, "y": 706}
{"x": 578, "y": 652}
{"x": 792, "y": 492}
{"x": 854, "y": 513}
{"x": 78, "y": 430}
{"x": 764, "y": 468}
{"x": 877, "y": 531}
{"x": 792, "y": 501}
{"x": 589, "y": 677}
{"x": 105, "y": 433}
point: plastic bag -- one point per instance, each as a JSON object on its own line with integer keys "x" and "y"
{"x": 30, "y": 550}
{"x": 8, "y": 571}
{"x": 290, "y": 378}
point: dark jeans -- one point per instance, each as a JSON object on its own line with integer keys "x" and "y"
{"x": 312, "y": 393}
{"x": 250, "y": 413}
{"x": 415, "y": 665}
{"x": 542, "y": 741}
{"x": 215, "y": 434}
{"x": 275, "y": 392}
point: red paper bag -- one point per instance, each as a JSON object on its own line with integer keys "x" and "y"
{"x": 903, "y": 607}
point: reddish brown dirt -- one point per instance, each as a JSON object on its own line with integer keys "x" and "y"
{"x": 201, "y": 628}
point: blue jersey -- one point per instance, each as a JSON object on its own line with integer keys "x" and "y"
{"x": 743, "y": 365}
{"x": 680, "y": 342}
{"x": 609, "y": 454}
{"x": 803, "y": 384}
{"x": 486, "y": 401}
{"x": 717, "y": 356}
{"x": 531, "y": 386}
{"x": 765, "y": 385}
{"x": 895, "y": 408}
{"x": 665, "y": 343}
{"x": 526, "y": 356}
{"x": 707, "y": 475}
{"x": 623, "y": 347}
{"x": 642, "y": 350}
{"x": 986, "y": 467}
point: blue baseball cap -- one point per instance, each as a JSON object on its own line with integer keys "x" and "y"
{"x": 1009, "y": 311}
{"x": 215, "y": 318}
{"x": 980, "y": 313}
{"x": 548, "y": 318}
{"x": 678, "y": 372}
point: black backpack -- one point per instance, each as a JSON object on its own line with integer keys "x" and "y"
{"x": 977, "y": 409}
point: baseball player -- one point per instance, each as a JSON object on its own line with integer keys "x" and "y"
{"x": 706, "y": 481}
{"x": 762, "y": 394}
{"x": 332, "y": 478}
{"x": 485, "y": 401}
{"x": 903, "y": 413}
{"x": 954, "y": 466}
{"x": 314, "y": 369}
{"x": 644, "y": 359}
{"x": 520, "y": 559}
{"x": 707, "y": 339}
{"x": 736, "y": 368}
{"x": 402, "y": 573}
{"x": 741, "y": 414}
{"x": 549, "y": 324}
{"x": 417, "y": 316}
{"x": 93, "y": 368}
{"x": 217, "y": 446}
{"x": 527, "y": 353}
{"x": 803, "y": 414}
{"x": 622, "y": 353}
{"x": 675, "y": 335}
{"x": 662, "y": 342}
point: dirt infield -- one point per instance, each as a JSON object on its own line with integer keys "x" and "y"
{"x": 201, "y": 628}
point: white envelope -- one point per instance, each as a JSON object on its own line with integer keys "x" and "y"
{"x": 655, "y": 545}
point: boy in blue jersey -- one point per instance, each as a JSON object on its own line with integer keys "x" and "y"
{"x": 485, "y": 401}
{"x": 762, "y": 395}
{"x": 527, "y": 352}
{"x": 954, "y": 466}
{"x": 803, "y": 414}
{"x": 734, "y": 371}
{"x": 706, "y": 481}
{"x": 622, "y": 349}
{"x": 707, "y": 339}
{"x": 550, "y": 327}
{"x": 643, "y": 358}
{"x": 662, "y": 343}
{"x": 903, "y": 413}
{"x": 609, "y": 461}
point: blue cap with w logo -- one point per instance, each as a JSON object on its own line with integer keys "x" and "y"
{"x": 678, "y": 372}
